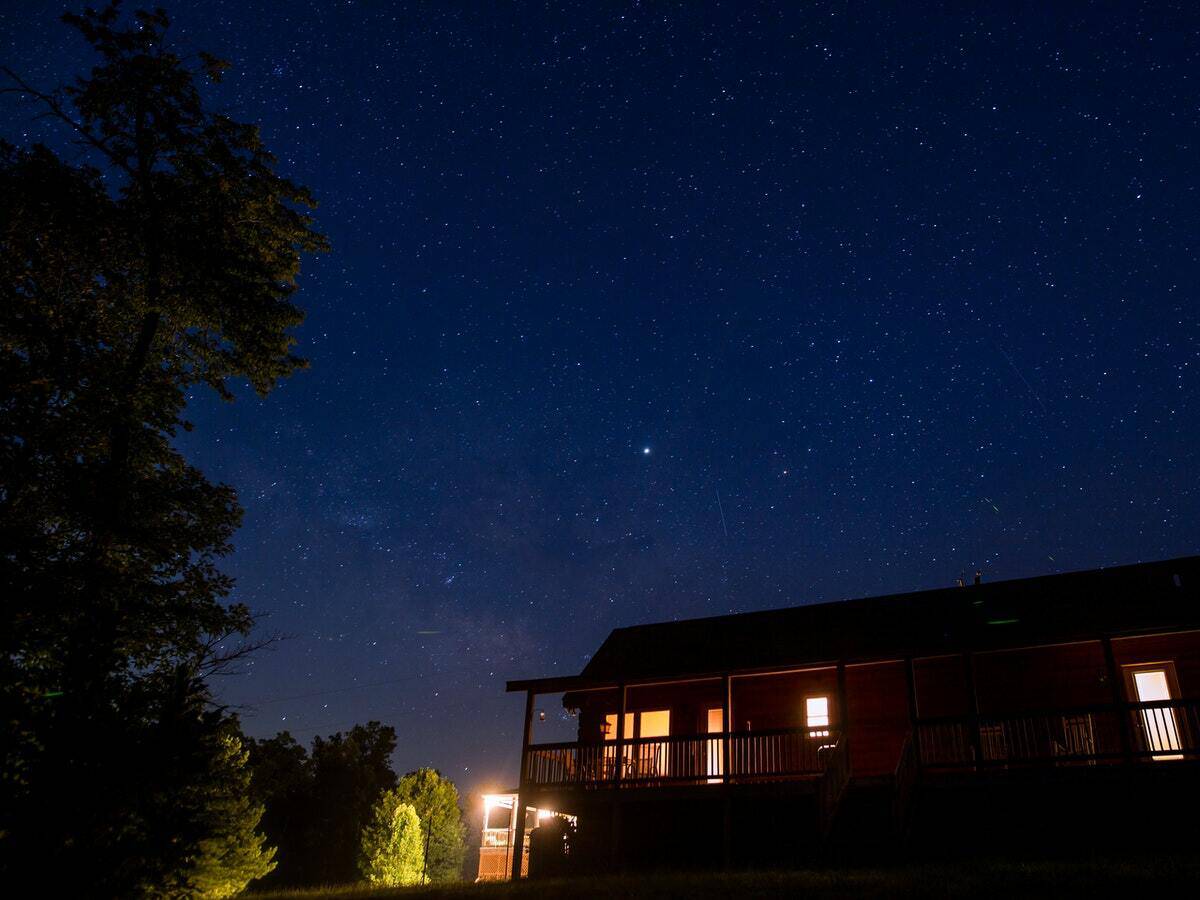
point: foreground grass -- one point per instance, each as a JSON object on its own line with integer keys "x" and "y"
{"x": 1131, "y": 877}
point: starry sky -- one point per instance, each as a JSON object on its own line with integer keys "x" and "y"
{"x": 641, "y": 311}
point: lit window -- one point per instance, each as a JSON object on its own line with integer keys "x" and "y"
{"x": 816, "y": 716}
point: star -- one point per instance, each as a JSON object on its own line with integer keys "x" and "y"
{"x": 645, "y": 451}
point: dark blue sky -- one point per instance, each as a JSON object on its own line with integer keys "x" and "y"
{"x": 644, "y": 311}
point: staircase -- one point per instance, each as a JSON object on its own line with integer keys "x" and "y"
{"x": 871, "y": 819}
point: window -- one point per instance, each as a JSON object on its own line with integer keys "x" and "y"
{"x": 498, "y": 815}
{"x": 651, "y": 757}
{"x": 816, "y": 716}
{"x": 654, "y": 723}
{"x": 497, "y": 819}
{"x": 645, "y": 758}
{"x": 610, "y": 727}
{"x": 649, "y": 724}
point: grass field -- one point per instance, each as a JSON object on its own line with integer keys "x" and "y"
{"x": 1133, "y": 878}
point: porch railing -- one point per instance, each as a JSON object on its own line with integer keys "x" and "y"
{"x": 1095, "y": 735}
{"x": 696, "y": 759}
{"x": 1161, "y": 731}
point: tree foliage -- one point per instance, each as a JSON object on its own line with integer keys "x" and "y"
{"x": 281, "y": 781}
{"x": 392, "y": 851}
{"x": 318, "y": 803}
{"x": 165, "y": 259}
{"x": 232, "y": 852}
{"x": 436, "y": 801}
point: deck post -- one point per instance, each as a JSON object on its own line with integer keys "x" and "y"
{"x": 973, "y": 703}
{"x": 618, "y": 762}
{"x": 518, "y": 833}
{"x": 726, "y": 724}
{"x": 727, "y": 811}
{"x": 843, "y": 711}
{"x": 1117, "y": 687}
{"x": 911, "y": 677}
{"x": 618, "y": 771}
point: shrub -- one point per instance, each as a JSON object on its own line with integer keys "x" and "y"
{"x": 392, "y": 852}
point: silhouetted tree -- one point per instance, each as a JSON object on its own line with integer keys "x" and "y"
{"x": 282, "y": 783}
{"x": 350, "y": 772}
{"x": 318, "y": 804}
{"x": 166, "y": 261}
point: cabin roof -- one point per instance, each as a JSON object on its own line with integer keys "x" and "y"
{"x": 1123, "y": 600}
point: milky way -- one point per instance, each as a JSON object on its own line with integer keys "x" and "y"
{"x": 642, "y": 311}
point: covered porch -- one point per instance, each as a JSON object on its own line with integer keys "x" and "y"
{"x": 1107, "y": 702}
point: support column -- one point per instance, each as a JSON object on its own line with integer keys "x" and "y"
{"x": 619, "y": 762}
{"x": 911, "y": 676}
{"x": 518, "y": 848}
{"x": 1119, "y": 701}
{"x": 618, "y": 773}
{"x": 726, "y": 755}
{"x": 843, "y": 711}
{"x": 727, "y": 724}
{"x": 973, "y": 704}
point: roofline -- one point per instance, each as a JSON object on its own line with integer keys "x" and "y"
{"x": 577, "y": 683}
{"x": 559, "y": 684}
{"x": 874, "y": 598}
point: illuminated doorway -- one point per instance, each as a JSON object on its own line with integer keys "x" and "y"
{"x": 1155, "y": 683}
{"x": 715, "y": 745}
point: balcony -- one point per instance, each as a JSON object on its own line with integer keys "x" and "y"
{"x": 1137, "y": 733}
{"x": 1159, "y": 731}
{"x": 753, "y": 756}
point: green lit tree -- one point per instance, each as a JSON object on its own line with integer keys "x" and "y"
{"x": 233, "y": 851}
{"x": 435, "y": 799}
{"x": 392, "y": 853}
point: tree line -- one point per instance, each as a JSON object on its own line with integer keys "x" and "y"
{"x": 150, "y": 251}
{"x": 332, "y": 812}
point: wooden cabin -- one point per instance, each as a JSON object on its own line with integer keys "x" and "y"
{"x": 966, "y": 719}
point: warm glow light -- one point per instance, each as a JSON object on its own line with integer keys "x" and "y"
{"x": 816, "y": 715}
{"x": 656, "y": 723}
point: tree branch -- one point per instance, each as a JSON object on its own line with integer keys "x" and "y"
{"x": 56, "y": 110}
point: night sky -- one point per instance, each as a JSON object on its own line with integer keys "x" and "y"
{"x": 646, "y": 311}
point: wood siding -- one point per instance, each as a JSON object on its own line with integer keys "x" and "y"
{"x": 1014, "y": 681}
{"x": 1182, "y": 649}
{"x": 877, "y": 695}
